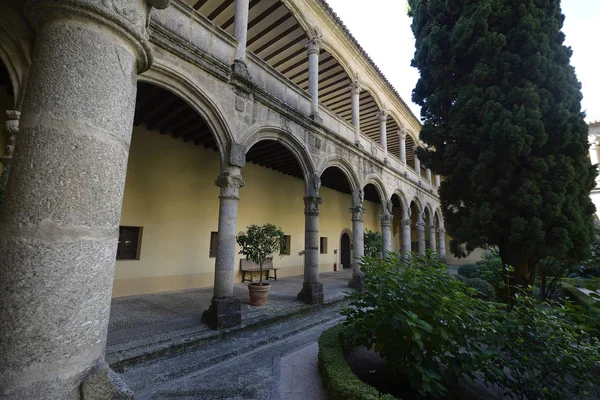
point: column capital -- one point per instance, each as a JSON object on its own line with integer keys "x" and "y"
{"x": 402, "y": 134}
{"x": 358, "y": 213}
{"x": 128, "y": 19}
{"x": 382, "y": 116}
{"x": 313, "y": 45}
{"x": 386, "y": 219}
{"x": 355, "y": 88}
{"x": 421, "y": 226}
{"x": 12, "y": 123}
{"x": 12, "y": 129}
{"x": 229, "y": 180}
{"x": 311, "y": 204}
{"x": 442, "y": 231}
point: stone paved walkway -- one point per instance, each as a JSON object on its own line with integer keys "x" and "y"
{"x": 144, "y": 324}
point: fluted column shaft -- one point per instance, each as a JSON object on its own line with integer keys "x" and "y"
{"x": 432, "y": 245}
{"x": 421, "y": 234}
{"x": 240, "y": 28}
{"x": 64, "y": 197}
{"x": 314, "y": 47}
{"x": 355, "y": 92}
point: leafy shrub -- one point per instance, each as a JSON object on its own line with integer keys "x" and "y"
{"x": 484, "y": 289}
{"x": 339, "y": 379}
{"x": 590, "y": 284}
{"x": 373, "y": 243}
{"x": 461, "y": 278}
{"x": 539, "y": 352}
{"x": 419, "y": 318}
{"x": 491, "y": 270}
{"x": 467, "y": 270}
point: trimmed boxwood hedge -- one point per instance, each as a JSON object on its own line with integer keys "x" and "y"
{"x": 486, "y": 291}
{"x": 467, "y": 270}
{"x": 341, "y": 382}
{"x": 590, "y": 284}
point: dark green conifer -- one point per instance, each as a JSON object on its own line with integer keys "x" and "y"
{"x": 501, "y": 111}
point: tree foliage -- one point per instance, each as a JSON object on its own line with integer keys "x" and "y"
{"x": 502, "y": 117}
{"x": 261, "y": 242}
{"x": 373, "y": 243}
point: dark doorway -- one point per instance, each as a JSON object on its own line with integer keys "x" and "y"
{"x": 345, "y": 251}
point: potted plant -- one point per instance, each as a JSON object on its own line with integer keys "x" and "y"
{"x": 258, "y": 244}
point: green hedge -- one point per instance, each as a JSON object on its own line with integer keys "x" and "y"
{"x": 467, "y": 270}
{"x": 578, "y": 297}
{"x": 590, "y": 284}
{"x": 341, "y": 382}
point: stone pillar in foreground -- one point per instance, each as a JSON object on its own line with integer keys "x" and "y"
{"x": 402, "y": 135}
{"x": 64, "y": 197}
{"x": 355, "y": 92}
{"x": 358, "y": 216}
{"x": 386, "y": 227}
{"x": 382, "y": 116}
{"x": 225, "y": 310}
{"x": 312, "y": 289}
{"x": 406, "y": 235}
{"x": 432, "y": 238}
{"x": 314, "y": 48}
{"x": 421, "y": 234}
{"x": 12, "y": 130}
{"x": 442, "y": 242}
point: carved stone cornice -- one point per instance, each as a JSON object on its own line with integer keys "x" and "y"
{"x": 311, "y": 204}
{"x": 358, "y": 213}
{"x": 126, "y": 18}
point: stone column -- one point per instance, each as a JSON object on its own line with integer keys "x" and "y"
{"x": 312, "y": 289}
{"x": 406, "y": 236}
{"x": 437, "y": 181}
{"x": 421, "y": 234}
{"x": 432, "y": 238}
{"x": 593, "y": 149}
{"x": 417, "y": 162}
{"x": 442, "y": 242}
{"x": 428, "y": 176}
{"x": 358, "y": 215}
{"x": 240, "y": 30}
{"x": 402, "y": 146}
{"x": 382, "y": 115}
{"x": 225, "y": 310}
{"x": 12, "y": 130}
{"x": 355, "y": 92}
{"x": 386, "y": 232}
{"x": 314, "y": 48}
{"x": 64, "y": 197}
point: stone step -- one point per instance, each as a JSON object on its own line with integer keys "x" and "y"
{"x": 147, "y": 377}
{"x": 179, "y": 340}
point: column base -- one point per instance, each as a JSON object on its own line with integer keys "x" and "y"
{"x": 317, "y": 118}
{"x": 356, "y": 282}
{"x": 103, "y": 383}
{"x": 311, "y": 293}
{"x": 240, "y": 69}
{"x": 223, "y": 313}
{"x": 386, "y": 161}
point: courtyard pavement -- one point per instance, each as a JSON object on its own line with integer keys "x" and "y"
{"x": 143, "y": 326}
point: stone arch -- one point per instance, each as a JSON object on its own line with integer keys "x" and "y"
{"x": 403, "y": 202}
{"x": 290, "y": 142}
{"x": 438, "y": 215}
{"x": 429, "y": 212}
{"x": 374, "y": 180}
{"x": 346, "y": 169}
{"x": 181, "y": 85}
{"x": 417, "y": 203}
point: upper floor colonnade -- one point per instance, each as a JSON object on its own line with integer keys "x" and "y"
{"x": 75, "y": 69}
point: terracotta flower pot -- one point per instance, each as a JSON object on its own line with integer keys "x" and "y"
{"x": 259, "y": 293}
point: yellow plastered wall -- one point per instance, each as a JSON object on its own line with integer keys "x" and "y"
{"x": 170, "y": 193}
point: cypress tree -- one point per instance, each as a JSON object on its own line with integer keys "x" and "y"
{"x": 501, "y": 112}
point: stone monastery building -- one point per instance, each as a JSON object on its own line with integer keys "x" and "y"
{"x": 151, "y": 132}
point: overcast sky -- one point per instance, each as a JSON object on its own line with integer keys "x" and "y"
{"x": 383, "y": 30}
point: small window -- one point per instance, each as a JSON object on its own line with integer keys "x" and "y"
{"x": 286, "y": 251}
{"x": 323, "y": 245}
{"x": 214, "y": 238}
{"x": 130, "y": 240}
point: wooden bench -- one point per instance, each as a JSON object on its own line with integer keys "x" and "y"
{"x": 250, "y": 266}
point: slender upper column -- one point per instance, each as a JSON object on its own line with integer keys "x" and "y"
{"x": 437, "y": 181}
{"x": 421, "y": 234}
{"x": 313, "y": 47}
{"x": 382, "y": 116}
{"x": 358, "y": 215}
{"x": 12, "y": 130}
{"x": 432, "y": 238}
{"x": 417, "y": 162}
{"x": 428, "y": 175}
{"x": 312, "y": 289}
{"x": 442, "y": 243}
{"x": 593, "y": 140}
{"x": 240, "y": 28}
{"x": 64, "y": 197}
{"x": 402, "y": 136}
{"x": 355, "y": 93}
{"x": 386, "y": 227}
